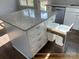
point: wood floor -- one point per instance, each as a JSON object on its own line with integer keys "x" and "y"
{"x": 49, "y": 51}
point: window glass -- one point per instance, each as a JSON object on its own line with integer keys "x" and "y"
{"x": 43, "y": 4}
{"x": 23, "y": 2}
{"x": 30, "y": 3}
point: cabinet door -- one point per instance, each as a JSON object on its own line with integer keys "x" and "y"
{"x": 72, "y": 18}
{"x": 69, "y": 18}
{"x": 76, "y": 24}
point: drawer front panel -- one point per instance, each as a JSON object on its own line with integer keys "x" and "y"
{"x": 37, "y": 45}
{"x": 36, "y": 32}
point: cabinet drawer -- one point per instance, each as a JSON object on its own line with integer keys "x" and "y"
{"x": 33, "y": 37}
{"x": 37, "y": 45}
{"x": 38, "y": 39}
{"x": 43, "y": 38}
{"x": 36, "y": 32}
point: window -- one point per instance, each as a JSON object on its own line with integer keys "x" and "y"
{"x": 23, "y": 2}
{"x": 29, "y": 3}
{"x": 43, "y": 4}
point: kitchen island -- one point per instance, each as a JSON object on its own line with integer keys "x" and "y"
{"x": 27, "y": 32}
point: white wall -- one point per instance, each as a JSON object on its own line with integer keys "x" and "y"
{"x": 7, "y": 6}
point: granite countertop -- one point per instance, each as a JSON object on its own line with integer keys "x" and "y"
{"x": 24, "y": 19}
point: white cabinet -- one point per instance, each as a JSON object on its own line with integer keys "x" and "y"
{"x": 28, "y": 42}
{"x": 72, "y": 16}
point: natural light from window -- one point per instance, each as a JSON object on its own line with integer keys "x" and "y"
{"x": 47, "y": 56}
{"x": 3, "y": 38}
{"x": 43, "y": 4}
